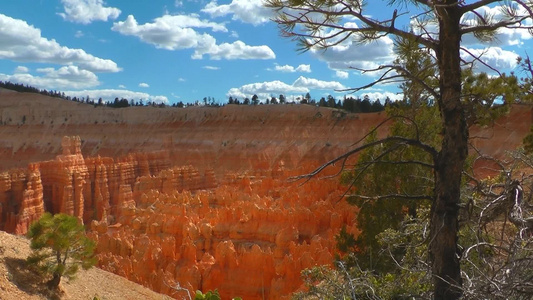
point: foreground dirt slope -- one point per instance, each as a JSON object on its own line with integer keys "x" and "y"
{"x": 19, "y": 283}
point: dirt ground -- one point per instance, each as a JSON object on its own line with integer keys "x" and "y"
{"x": 18, "y": 282}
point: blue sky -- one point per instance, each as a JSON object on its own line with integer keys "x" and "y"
{"x": 180, "y": 50}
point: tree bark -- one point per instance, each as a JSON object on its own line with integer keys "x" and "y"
{"x": 444, "y": 253}
{"x": 54, "y": 282}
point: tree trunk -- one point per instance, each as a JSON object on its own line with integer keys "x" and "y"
{"x": 54, "y": 282}
{"x": 443, "y": 248}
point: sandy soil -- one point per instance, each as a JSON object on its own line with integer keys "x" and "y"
{"x": 17, "y": 282}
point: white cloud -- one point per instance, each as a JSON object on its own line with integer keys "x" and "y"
{"x": 312, "y": 83}
{"x": 181, "y": 79}
{"x": 144, "y": 85}
{"x": 24, "y": 43}
{"x": 381, "y": 95}
{"x": 162, "y": 35}
{"x": 87, "y": 11}
{"x": 169, "y": 32}
{"x": 236, "y": 93}
{"x": 247, "y": 11}
{"x": 68, "y": 77}
{"x": 290, "y": 69}
{"x": 211, "y": 68}
{"x": 495, "y": 57}
{"x": 176, "y": 33}
{"x": 351, "y": 54}
{"x": 111, "y": 94}
{"x": 121, "y": 86}
{"x": 78, "y": 34}
{"x": 342, "y": 74}
{"x": 304, "y": 68}
{"x": 301, "y": 86}
{"x": 265, "y": 88}
{"x": 285, "y": 68}
{"x": 235, "y": 50}
{"x": 21, "y": 69}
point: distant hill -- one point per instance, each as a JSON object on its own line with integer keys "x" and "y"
{"x": 223, "y": 138}
{"x": 32, "y": 125}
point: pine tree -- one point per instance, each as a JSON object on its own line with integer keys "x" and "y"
{"x": 438, "y": 27}
{"x": 60, "y": 247}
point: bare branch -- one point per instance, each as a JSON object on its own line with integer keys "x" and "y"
{"x": 402, "y": 162}
{"x": 476, "y": 5}
{"x": 392, "y": 196}
{"x": 478, "y": 58}
{"x": 495, "y": 26}
{"x": 416, "y": 143}
{"x": 404, "y": 73}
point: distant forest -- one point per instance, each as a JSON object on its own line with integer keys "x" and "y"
{"x": 350, "y": 104}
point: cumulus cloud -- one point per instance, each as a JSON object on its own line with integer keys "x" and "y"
{"x": 275, "y": 87}
{"x": 235, "y": 50}
{"x": 311, "y": 83}
{"x": 24, "y": 43}
{"x": 265, "y": 88}
{"x": 290, "y": 69}
{"x": 381, "y": 95}
{"x": 304, "y": 68}
{"x": 144, "y": 85}
{"x": 111, "y": 94}
{"x": 495, "y": 57}
{"x": 21, "y": 69}
{"x": 177, "y": 33}
{"x": 342, "y": 74}
{"x": 351, "y": 54}
{"x": 68, "y": 77}
{"x": 161, "y": 34}
{"x": 248, "y": 11}
{"x": 87, "y": 11}
{"x": 301, "y": 86}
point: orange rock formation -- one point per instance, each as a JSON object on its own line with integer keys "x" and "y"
{"x": 21, "y": 199}
{"x": 250, "y": 237}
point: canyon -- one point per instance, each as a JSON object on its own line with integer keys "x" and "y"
{"x": 198, "y": 197}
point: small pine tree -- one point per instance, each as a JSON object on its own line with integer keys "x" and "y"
{"x": 60, "y": 247}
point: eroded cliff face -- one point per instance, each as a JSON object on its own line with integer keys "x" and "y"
{"x": 21, "y": 199}
{"x": 199, "y": 197}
